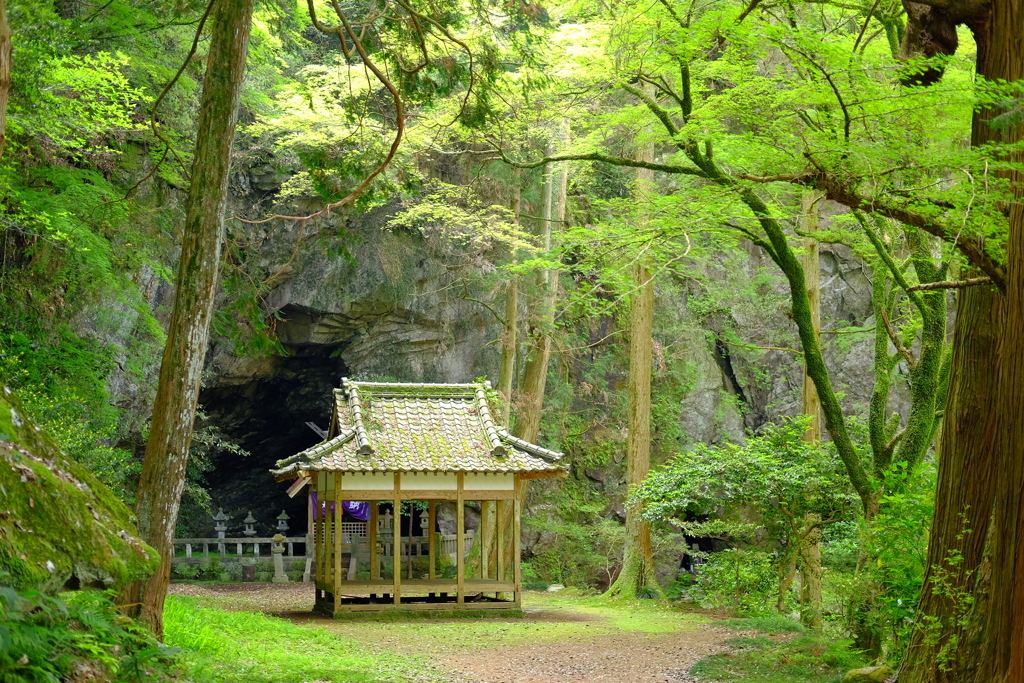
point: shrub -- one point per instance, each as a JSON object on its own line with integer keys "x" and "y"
{"x": 745, "y": 580}
{"x": 47, "y": 639}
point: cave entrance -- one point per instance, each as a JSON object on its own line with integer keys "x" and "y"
{"x": 266, "y": 415}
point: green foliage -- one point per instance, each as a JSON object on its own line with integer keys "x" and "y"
{"x": 581, "y": 555}
{"x": 46, "y": 639}
{"x": 775, "y": 474}
{"x": 744, "y": 580}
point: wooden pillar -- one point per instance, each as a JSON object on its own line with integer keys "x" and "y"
{"x": 499, "y": 543}
{"x": 396, "y": 546}
{"x": 432, "y": 537}
{"x": 337, "y": 541}
{"x": 460, "y": 542}
{"x": 484, "y": 531}
{"x": 517, "y": 534}
{"x": 317, "y": 542}
{"x": 371, "y": 537}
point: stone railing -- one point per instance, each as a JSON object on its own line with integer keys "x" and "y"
{"x": 200, "y": 550}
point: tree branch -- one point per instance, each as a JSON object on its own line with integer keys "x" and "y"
{"x": 604, "y": 158}
{"x": 904, "y": 351}
{"x": 954, "y": 284}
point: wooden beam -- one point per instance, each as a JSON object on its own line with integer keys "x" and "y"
{"x": 460, "y": 542}
{"x": 396, "y": 545}
{"x": 432, "y": 537}
{"x": 543, "y": 475}
{"x": 337, "y": 545}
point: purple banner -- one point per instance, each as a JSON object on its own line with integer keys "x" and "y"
{"x": 360, "y": 509}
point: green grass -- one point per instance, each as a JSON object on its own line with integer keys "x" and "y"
{"x": 759, "y": 659}
{"x": 767, "y": 623}
{"x": 245, "y": 646}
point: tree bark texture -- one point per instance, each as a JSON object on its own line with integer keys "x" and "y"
{"x": 812, "y": 276}
{"x": 509, "y": 337}
{"x": 5, "y": 73}
{"x": 810, "y": 585}
{"x": 637, "y": 577}
{"x": 971, "y": 611}
{"x": 536, "y": 375}
{"x": 163, "y": 467}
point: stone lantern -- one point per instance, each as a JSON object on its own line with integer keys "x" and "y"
{"x": 220, "y": 527}
{"x": 277, "y": 549}
{"x": 424, "y": 522}
{"x": 249, "y": 521}
{"x": 282, "y": 521}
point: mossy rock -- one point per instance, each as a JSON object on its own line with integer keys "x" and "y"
{"x": 60, "y": 527}
{"x": 868, "y": 674}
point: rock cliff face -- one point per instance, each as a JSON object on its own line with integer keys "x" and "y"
{"x": 354, "y": 298}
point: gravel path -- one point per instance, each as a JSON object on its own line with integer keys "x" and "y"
{"x": 611, "y": 655}
{"x": 620, "y": 658}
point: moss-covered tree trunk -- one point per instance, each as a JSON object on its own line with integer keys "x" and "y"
{"x": 5, "y": 73}
{"x": 809, "y": 539}
{"x": 163, "y": 467}
{"x": 812, "y": 277}
{"x": 971, "y": 611}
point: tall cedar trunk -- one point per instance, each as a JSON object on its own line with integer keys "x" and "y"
{"x": 509, "y": 337}
{"x": 536, "y": 376}
{"x": 1001, "y": 55}
{"x": 964, "y": 636}
{"x": 5, "y": 73}
{"x": 812, "y": 277}
{"x": 637, "y": 577}
{"x": 809, "y": 546}
{"x": 163, "y": 467}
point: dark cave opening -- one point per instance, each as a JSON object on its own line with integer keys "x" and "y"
{"x": 267, "y": 416}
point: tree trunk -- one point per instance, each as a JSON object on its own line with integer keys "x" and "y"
{"x": 812, "y": 277}
{"x": 787, "y": 572}
{"x": 637, "y": 577}
{"x": 5, "y": 73}
{"x": 163, "y": 466}
{"x": 509, "y": 338}
{"x": 810, "y": 586}
{"x": 975, "y": 549}
{"x": 536, "y": 376}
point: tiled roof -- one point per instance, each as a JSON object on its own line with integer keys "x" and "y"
{"x": 395, "y": 427}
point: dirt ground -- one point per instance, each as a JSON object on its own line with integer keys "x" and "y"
{"x": 555, "y": 642}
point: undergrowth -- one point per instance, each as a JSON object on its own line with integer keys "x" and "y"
{"x": 79, "y": 638}
{"x": 793, "y": 655}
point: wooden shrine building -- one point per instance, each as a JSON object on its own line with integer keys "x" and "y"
{"x": 415, "y": 499}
